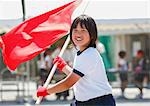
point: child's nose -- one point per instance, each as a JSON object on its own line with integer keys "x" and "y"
{"x": 79, "y": 33}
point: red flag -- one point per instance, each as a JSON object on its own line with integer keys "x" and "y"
{"x": 33, "y": 36}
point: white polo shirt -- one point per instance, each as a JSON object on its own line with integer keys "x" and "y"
{"x": 94, "y": 83}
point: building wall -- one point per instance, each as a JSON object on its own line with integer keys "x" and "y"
{"x": 129, "y": 43}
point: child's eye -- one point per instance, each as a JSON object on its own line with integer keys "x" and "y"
{"x": 74, "y": 30}
{"x": 84, "y": 30}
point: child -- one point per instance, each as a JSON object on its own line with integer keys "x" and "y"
{"x": 123, "y": 71}
{"x": 138, "y": 66}
{"x": 88, "y": 76}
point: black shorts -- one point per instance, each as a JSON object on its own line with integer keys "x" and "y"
{"x": 139, "y": 77}
{"x": 123, "y": 76}
{"x": 106, "y": 100}
{"x": 43, "y": 74}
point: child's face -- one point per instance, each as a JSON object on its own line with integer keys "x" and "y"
{"x": 139, "y": 55}
{"x": 81, "y": 37}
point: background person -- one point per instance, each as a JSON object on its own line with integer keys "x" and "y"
{"x": 138, "y": 65}
{"x": 123, "y": 68}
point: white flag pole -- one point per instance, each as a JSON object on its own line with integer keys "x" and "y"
{"x": 39, "y": 99}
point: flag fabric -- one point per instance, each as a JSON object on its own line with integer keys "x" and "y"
{"x": 33, "y": 36}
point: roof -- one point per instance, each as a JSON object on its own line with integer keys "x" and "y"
{"x": 127, "y": 26}
{"x": 105, "y": 27}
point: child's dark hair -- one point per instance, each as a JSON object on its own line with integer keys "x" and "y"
{"x": 89, "y": 24}
{"x": 122, "y": 54}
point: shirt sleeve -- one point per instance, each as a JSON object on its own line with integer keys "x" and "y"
{"x": 85, "y": 64}
{"x": 78, "y": 72}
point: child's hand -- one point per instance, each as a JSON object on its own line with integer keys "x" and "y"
{"x": 60, "y": 63}
{"x": 42, "y": 92}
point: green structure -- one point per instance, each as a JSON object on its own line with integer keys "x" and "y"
{"x": 108, "y": 55}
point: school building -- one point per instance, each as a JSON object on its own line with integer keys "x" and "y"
{"x": 128, "y": 34}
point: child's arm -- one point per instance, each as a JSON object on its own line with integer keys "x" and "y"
{"x": 62, "y": 65}
{"x": 63, "y": 85}
{"x": 67, "y": 70}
